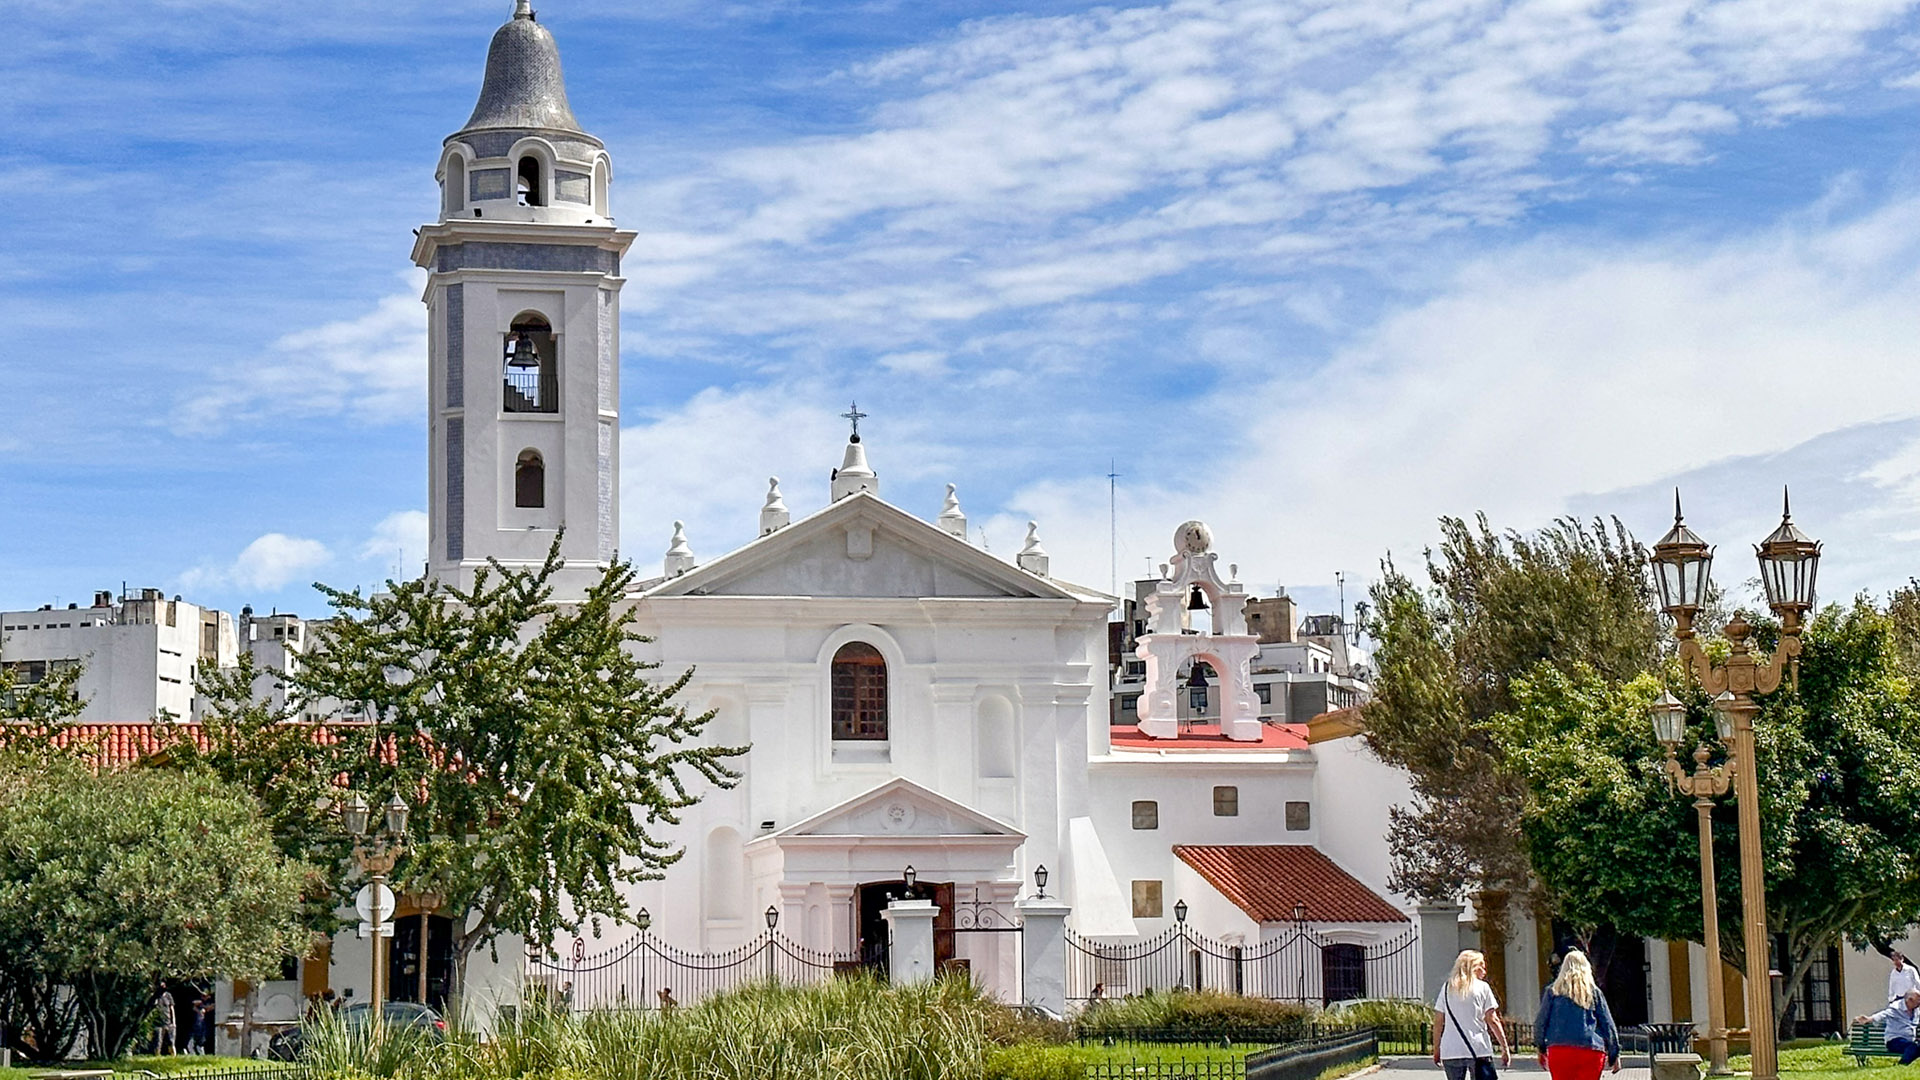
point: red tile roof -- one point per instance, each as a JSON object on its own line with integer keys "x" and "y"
{"x": 117, "y": 746}
{"x": 1267, "y": 880}
{"x": 1208, "y": 737}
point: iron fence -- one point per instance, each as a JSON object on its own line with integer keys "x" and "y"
{"x": 1299, "y": 965}
{"x": 1168, "y": 1070}
{"x": 1309, "y": 1058}
{"x": 647, "y": 973}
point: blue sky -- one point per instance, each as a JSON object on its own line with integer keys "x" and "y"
{"x": 1314, "y": 271}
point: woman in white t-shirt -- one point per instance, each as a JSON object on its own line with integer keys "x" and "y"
{"x": 1902, "y": 980}
{"x": 1466, "y": 1022}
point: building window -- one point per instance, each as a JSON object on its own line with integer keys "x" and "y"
{"x": 1226, "y": 801}
{"x": 1197, "y": 698}
{"x": 1130, "y": 703}
{"x": 531, "y": 371}
{"x": 528, "y": 187}
{"x": 1137, "y": 669}
{"x": 1264, "y": 691}
{"x": 1146, "y": 900}
{"x": 1146, "y": 814}
{"x": 859, "y": 692}
{"x": 529, "y": 482}
{"x": 1299, "y": 816}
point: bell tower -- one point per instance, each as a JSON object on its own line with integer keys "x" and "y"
{"x": 523, "y": 305}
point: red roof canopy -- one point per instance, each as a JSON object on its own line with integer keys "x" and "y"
{"x": 1267, "y": 880}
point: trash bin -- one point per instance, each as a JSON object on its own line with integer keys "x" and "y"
{"x": 1666, "y": 1039}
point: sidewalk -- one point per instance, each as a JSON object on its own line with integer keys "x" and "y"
{"x": 1399, "y": 1067}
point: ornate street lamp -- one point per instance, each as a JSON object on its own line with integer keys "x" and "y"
{"x": 1040, "y": 881}
{"x": 1789, "y": 566}
{"x": 643, "y": 920}
{"x": 1703, "y": 786}
{"x": 376, "y": 854}
{"x": 1180, "y": 912}
{"x": 910, "y": 876}
{"x": 773, "y": 918}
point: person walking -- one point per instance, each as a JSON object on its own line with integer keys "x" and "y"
{"x": 1574, "y": 1026}
{"x": 1466, "y": 1022}
{"x": 166, "y": 1035}
{"x": 203, "y": 1025}
{"x": 1902, "y": 980}
{"x": 1900, "y": 1024}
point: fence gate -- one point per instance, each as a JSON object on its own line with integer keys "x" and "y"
{"x": 986, "y": 944}
{"x": 1299, "y": 965}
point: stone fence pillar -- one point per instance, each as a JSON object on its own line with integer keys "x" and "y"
{"x": 1043, "y": 953}
{"x": 1439, "y": 945}
{"x": 910, "y": 954}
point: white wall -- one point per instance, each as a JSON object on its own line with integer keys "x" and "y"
{"x": 1353, "y": 794}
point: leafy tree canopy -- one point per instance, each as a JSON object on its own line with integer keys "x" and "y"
{"x": 539, "y": 756}
{"x": 110, "y": 882}
{"x": 1493, "y": 608}
{"x": 1840, "y": 780}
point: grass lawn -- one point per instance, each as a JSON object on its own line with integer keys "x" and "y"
{"x": 1069, "y": 1062}
{"x": 167, "y": 1065}
{"x": 1825, "y": 1061}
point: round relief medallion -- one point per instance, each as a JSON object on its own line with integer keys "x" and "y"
{"x": 897, "y": 817}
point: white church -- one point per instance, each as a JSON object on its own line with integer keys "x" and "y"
{"x": 910, "y": 700}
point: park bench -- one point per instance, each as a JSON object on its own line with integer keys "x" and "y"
{"x": 1869, "y": 1041}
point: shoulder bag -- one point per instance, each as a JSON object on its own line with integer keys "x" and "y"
{"x": 1482, "y": 1066}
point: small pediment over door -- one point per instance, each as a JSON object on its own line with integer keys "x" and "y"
{"x": 900, "y": 808}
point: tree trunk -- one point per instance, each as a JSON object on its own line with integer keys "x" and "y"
{"x": 113, "y": 1008}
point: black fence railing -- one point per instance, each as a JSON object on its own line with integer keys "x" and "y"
{"x": 646, "y": 973}
{"x": 1208, "y": 1069}
{"x": 1313, "y": 1057}
{"x": 1300, "y": 964}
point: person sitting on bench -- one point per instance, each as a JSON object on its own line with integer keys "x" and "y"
{"x": 1899, "y": 1017}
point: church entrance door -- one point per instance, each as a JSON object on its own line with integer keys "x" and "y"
{"x": 874, "y": 897}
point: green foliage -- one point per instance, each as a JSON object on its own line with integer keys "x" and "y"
{"x": 850, "y": 1029}
{"x": 35, "y": 716}
{"x": 109, "y": 882}
{"x": 1037, "y": 1061}
{"x": 1202, "y": 1016}
{"x": 1495, "y": 606}
{"x": 1840, "y": 777}
{"x": 1395, "y": 1014}
{"x": 540, "y": 756}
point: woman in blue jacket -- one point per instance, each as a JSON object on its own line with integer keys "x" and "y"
{"x": 1574, "y": 1028}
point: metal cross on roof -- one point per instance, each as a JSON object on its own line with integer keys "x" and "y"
{"x": 856, "y": 416}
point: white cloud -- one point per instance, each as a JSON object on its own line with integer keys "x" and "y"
{"x": 1031, "y": 160}
{"x": 271, "y": 562}
{"x": 1545, "y": 378}
{"x": 369, "y": 368}
{"x": 398, "y": 543}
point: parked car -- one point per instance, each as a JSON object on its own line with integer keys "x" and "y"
{"x": 286, "y": 1045}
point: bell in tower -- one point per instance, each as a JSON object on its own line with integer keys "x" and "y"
{"x": 523, "y": 301}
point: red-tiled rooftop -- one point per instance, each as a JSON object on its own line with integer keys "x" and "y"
{"x": 1209, "y": 737}
{"x": 1267, "y": 880}
{"x": 119, "y": 746}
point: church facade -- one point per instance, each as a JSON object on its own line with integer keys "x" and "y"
{"x": 909, "y": 700}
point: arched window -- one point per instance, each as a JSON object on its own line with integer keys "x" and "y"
{"x": 859, "y": 692}
{"x": 528, "y": 188}
{"x": 530, "y": 480}
{"x": 456, "y": 184}
{"x": 600, "y": 188}
{"x": 531, "y": 367}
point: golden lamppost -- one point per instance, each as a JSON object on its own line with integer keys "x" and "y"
{"x": 376, "y": 862}
{"x": 1789, "y": 561}
{"x": 1702, "y": 786}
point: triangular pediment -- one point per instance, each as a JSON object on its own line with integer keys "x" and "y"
{"x": 900, "y": 808}
{"x": 861, "y": 546}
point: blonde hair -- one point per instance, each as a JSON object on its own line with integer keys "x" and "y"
{"x": 1576, "y": 980}
{"x": 1460, "y": 979}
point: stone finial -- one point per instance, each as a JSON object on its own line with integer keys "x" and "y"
{"x": 1033, "y": 558}
{"x": 774, "y": 514}
{"x": 679, "y": 558}
{"x": 854, "y": 474}
{"x": 523, "y": 9}
{"x": 952, "y": 521}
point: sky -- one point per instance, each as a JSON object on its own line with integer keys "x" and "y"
{"x": 1316, "y": 272}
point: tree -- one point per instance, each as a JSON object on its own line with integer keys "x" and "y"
{"x": 36, "y": 716}
{"x": 538, "y": 754}
{"x": 1839, "y": 774}
{"x": 1495, "y": 607}
{"x": 111, "y": 882}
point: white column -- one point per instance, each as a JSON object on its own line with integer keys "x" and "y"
{"x": 910, "y": 953}
{"x": 1043, "y": 953}
{"x": 1439, "y": 944}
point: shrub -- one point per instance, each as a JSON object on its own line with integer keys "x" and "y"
{"x": 1029, "y": 1061}
{"x": 1011, "y": 1027}
{"x": 1204, "y": 1016}
{"x": 1387, "y": 1014}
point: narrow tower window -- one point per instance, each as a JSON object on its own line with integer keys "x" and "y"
{"x": 530, "y": 193}
{"x": 456, "y": 184}
{"x": 530, "y": 480}
{"x": 859, "y": 692}
{"x": 531, "y": 367}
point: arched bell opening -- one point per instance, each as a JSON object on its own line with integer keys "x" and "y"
{"x": 530, "y": 369}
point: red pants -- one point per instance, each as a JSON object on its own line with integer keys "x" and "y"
{"x": 1575, "y": 1062}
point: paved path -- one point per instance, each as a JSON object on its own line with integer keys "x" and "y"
{"x": 1400, "y": 1067}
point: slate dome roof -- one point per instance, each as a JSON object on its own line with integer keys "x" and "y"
{"x": 523, "y": 86}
